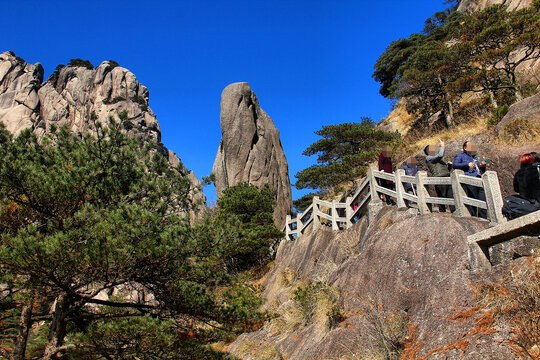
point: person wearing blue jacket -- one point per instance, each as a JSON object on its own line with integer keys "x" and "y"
{"x": 470, "y": 163}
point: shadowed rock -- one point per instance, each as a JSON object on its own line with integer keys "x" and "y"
{"x": 250, "y": 150}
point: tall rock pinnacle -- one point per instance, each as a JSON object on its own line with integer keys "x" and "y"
{"x": 250, "y": 150}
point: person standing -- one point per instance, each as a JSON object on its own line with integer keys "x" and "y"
{"x": 411, "y": 168}
{"x": 470, "y": 163}
{"x": 439, "y": 168}
{"x": 385, "y": 164}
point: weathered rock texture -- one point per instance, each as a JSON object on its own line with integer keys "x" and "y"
{"x": 404, "y": 264}
{"x": 250, "y": 150}
{"x": 475, "y": 5}
{"x": 19, "y": 85}
{"x": 72, "y": 96}
{"x": 527, "y": 109}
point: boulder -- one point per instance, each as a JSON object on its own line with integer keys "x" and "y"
{"x": 250, "y": 150}
{"x": 527, "y": 109}
{"x": 401, "y": 271}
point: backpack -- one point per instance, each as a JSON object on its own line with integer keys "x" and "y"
{"x": 516, "y": 206}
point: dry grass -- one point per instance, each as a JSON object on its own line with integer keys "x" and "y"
{"x": 520, "y": 132}
{"x": 385, "y": 222}
{"x": 382, "y": 334}
{"x": 515, "y": 305}
{"x": 259, "y": 351}
{"x": 325, "y": 267}
{"x": 399, "y": 118}
{"x": 286, "y": 277}
{"x": 315, "y": 304}
{"x": 476, "y": 126}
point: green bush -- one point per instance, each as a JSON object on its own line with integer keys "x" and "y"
{"x": 498, "y": 114}
{"x": 141, "y": 101}
{"x": 113, "y": 64}
{"x": 115, "y": 100}
{"x": 81, "y": 63}
{"x": 248, "y": 210}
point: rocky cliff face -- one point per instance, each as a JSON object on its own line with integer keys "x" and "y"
{"x": 73, "y": 93}
{"x": 75, "y": 96}
{"x": 404, "y": 277}
{"x": 475, "y": 5}
{"x": 250, "y": 150}
{"x": 19, "y": 86}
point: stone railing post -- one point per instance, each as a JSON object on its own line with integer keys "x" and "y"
{"x": 372, "y": 183}
{"x": 375, "y": 205}
{"x": 459, "y": 193}
{"x": 493, "y": 197}
{"x": 348, "y": 211}
{"x": 399, "y": 188}
{"x": 287, "y": 227}
{"x": 421, "y": 192}
{"x": 334, "y": 216}
{"x": 315, "y": 214}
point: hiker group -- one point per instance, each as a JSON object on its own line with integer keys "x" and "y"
{"x": 526, "y": 179}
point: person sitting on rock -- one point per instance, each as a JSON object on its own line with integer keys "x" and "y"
{"x": 470, "y": 163}
{"x": 526, "y": 179}
{"x": 439, "y": 168}
{"x": 536, "y": 163}
{"x": 527, "y": 185}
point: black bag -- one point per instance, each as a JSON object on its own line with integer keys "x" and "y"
{"x": 516, "y": 206}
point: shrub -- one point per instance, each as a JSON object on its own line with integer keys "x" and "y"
{"x": 81, "y": 63}
{"x": 113, "y": 64}
{"x": 141, "y": 101}
{"x": 498, "y": 114}
{"x": 520, "y": 130}
{"x": 115, "y": 100}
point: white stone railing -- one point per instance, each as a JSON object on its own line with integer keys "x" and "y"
{"x": 342, "y": 215}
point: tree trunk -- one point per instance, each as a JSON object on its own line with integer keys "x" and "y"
{"x": 57, "y": 331}
{"x": 449, "y": 115}
{"x": 492, "y": 99}
{"x": 25, "y": 323}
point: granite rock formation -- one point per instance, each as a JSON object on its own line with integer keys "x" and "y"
{"x": 19, "y": 86}
{"x": 75, "y": 96}
{"x": 250, "y": 150}
{"x": 475, "y": 5}
{"x": 405, "y": 264}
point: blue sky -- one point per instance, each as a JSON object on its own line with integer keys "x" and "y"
{"x": 309, "y": 61}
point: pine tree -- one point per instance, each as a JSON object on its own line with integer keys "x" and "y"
{"x": 344, "y": 153}
{"x": 82, "y": 217}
